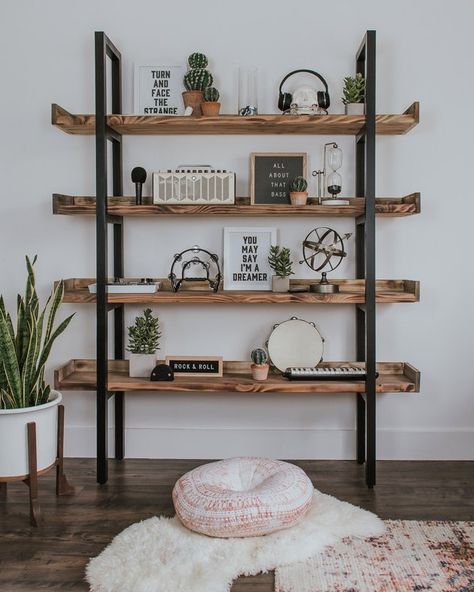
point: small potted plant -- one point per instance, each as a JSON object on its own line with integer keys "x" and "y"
{"x": 196, "y": 80}
{"x": 259, "y": 367}
{"x": 354, "y": 94}
{"x": 280, "y": 262}
{"x": 143, "y": 340}
{"x": 25, "y": 396}
{"x": 298, "y": 193}
{"x": 210, "y": 105}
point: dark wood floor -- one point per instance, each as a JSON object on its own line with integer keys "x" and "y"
{"x": 53, "y": 556}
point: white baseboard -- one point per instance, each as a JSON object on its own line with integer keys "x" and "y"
{"x": 282, "y": 443}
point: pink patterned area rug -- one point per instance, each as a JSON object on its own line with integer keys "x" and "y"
{"x": 411, "y": 556}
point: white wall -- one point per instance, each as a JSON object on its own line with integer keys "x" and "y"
{"x": 424, "y": 53}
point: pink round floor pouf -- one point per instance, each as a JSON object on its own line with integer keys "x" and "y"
{"x": 242, "y": 497}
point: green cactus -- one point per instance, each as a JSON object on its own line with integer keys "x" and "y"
{"x": 354, "y": 89}
{"x": 280, "y": 261}
{"x": 299, "y": 184}
{"x": 197, "y": 61}
{"x": 211, "y": 94}
{"x": 259, "y": 356}
{"x": 198, "y": 79}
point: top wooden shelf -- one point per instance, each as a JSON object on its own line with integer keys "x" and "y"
{"x": 81, "y": 124}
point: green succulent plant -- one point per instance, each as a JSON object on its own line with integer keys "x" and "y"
{"x": 144, "y": 335}
{"x": 197, "y": 60}
{"x": 211, "y": 94}
{"x": 354, "y": 89}
{"x": 24, "y": 351}
{"x": 299, "y": 184}
{"x": 198, "y": 79}
{"x": 259, "y": 356}
{"x": 280, "y": 261}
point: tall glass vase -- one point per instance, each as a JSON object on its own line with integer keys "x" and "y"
{"x": 247, "y": 91}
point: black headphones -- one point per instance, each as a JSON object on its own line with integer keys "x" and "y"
{"x": 285, "y": 99}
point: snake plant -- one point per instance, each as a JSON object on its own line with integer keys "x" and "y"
{"x": 24, "y": 350}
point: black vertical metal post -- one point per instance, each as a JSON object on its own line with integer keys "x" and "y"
{"x": 103, "y": 49}
{"x": 365, "y": 262}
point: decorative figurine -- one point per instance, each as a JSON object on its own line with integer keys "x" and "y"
{"x": 259, "y": 367}
{"x": 324, "y": 247}
{"x": 196, "y": 263}
{"x": 162, "y": 373}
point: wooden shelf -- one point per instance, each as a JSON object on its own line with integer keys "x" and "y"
{"x": 394, "y": 377}
{"x": 233, "y": 124}
{"x": 351, "y": 292}
{"x": 73, "y": 205}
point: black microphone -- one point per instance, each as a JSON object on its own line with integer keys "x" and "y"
{"x": 138, "y": 177}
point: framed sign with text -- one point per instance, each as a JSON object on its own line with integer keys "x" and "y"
{"x": 271, "y": 174}
{"x": 196, "y": 365}
{"x": 246, "y": 252}
{"x": 157, "y": 90}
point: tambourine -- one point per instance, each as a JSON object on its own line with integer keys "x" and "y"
{"x": 295, "y": 342}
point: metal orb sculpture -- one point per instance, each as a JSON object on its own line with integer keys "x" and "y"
{"x": 323, "y": 248}
{"x": 201, "y": 266}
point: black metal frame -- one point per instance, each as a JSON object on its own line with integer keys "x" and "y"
{"x": 365, "y": 255}
{"x": 365, "y": 263}
{"x": 104, "y": 49}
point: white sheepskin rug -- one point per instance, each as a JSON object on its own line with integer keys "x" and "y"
{"x": 161, "y": 555}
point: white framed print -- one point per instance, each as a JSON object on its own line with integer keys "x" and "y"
{"x": 246, "y": 251}
{"x": 157, "y": 90}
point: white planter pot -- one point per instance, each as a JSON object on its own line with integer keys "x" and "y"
{"x": 280, "y": 284}
{"x": 141, "y": 365}
{"x": 355, "y": 109}
{"x": 14, "y": 441}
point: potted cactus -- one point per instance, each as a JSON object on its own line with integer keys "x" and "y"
{"x": 354, "y": 94}
{"x": 259, "y": 367}
{"x": 298, "y": 193}
{"x": 143, "y": 341}
{"x": 210, "y": 105}
{"x": 25, "y": 396}
{"x": 196, "y": 80}
{"x": 280, "y": 262}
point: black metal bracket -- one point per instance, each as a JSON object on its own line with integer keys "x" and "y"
{"x": 104, "y": 49}
{"x": 365, "y": 262}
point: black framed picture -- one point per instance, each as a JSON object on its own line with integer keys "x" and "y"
{"x": 271, "y": 174}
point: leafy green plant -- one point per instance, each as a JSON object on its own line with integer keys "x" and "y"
{"x": 299, "y": 184}
{"x": 280, "y": 262}
{"x": 211, "y": 94}
{"x": 24, "y": 351}
{"x": 354, "y": 89}
{"x": 144, "y": 335}
{"x": 259, "y": 356}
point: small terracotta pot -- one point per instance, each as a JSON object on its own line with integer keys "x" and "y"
{"x": 210, "y": 108}
{"x": 260, "y": 371}
{"x": 280, "y": 284}
{"x": 193, "y": 98}
{"x": 298, "y": 198}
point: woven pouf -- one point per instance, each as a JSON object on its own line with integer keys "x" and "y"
{"x": 242, "y": 497}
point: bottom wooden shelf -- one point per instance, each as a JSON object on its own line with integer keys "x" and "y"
{"x": 394, "y": 377}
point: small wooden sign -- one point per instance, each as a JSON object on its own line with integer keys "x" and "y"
{"x": 271, "y": 174}
{"x": 196, "y": 365}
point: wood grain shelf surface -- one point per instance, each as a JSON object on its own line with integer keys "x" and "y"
{"x": 81, "y": 124}
{"x": 74, "y": 205}
{"x": 394, "y": 377}
{"x": 350, "y": 292}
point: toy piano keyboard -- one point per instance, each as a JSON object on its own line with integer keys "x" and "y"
{"x": 129, "y": 286}
{"x": 337, "y": 373}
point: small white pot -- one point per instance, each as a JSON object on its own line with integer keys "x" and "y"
{"x": 141, "y": 365}
{"x": 14, "y": 440}
{"x": 355, "y": 108}
{"x": 280, "y": 284}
